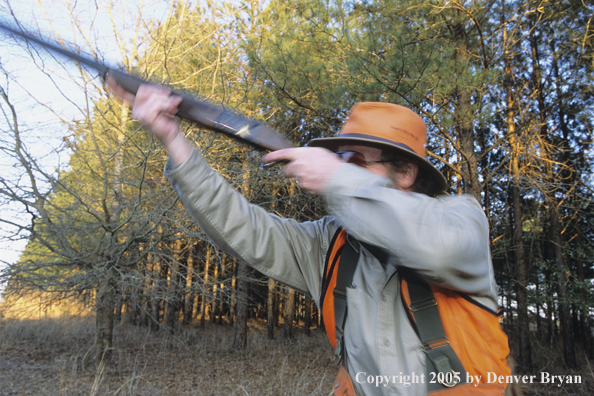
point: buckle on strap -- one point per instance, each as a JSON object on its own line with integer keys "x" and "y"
{"x": 423, "y": 304}
{"x": 338, "y": 351}
{"x": 445, "y": 374}
{"x": 435, "y": 344}
{"x": 340, "y": 293}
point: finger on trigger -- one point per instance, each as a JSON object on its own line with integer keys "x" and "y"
{"x": 278, "y": 155}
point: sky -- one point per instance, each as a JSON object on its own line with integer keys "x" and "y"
{"x": 32, "y": 92}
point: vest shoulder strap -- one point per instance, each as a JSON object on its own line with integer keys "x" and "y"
{"x": 333, "y": 297}
{"x": 421, "y": 304}
{"x": 344, "y": 278}
{"x": 426, "y": 320}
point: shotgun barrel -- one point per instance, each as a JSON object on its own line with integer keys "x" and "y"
{"x": 198, "y": 111}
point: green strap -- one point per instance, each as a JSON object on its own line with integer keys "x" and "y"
{"x": 442, "y": 361}
{"x": 344, "y": 278}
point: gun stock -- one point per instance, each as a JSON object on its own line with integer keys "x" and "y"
{"x": 209, "y": 116}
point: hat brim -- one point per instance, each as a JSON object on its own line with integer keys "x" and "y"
{"x": 333, "y": 143}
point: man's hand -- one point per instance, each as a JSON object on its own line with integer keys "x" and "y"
{"x": 155, "y": 108}
{"x": 312, "y": 167}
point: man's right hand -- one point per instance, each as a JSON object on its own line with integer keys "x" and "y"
{"x": 155, "y": 108}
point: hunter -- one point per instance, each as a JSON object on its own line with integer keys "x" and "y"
{"x": 401, "y": 271}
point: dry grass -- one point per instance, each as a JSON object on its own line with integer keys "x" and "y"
{"x": 52, "y": 357}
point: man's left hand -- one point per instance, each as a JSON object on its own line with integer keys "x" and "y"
{"x": 311, "y": 167}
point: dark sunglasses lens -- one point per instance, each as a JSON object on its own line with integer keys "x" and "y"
{"x": 358, "y": 160}
{"x": 352, "y": 157}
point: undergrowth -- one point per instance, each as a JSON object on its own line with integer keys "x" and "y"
{"x": 54, "y": 357}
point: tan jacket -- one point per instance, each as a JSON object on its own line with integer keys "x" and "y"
{"x": 444, "y": 239}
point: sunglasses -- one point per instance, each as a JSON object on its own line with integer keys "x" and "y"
{"x": 356, "y": 158}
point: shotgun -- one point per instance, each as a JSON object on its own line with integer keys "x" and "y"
{"x": 200, "y": 112}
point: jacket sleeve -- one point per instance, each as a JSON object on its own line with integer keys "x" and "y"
{"x": 445, "y": 239}
{"x": 283, "y": 249}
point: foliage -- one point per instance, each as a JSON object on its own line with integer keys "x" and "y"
{"x": 506, "y": 91}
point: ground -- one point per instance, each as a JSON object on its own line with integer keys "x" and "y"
{"x": 53, "y": 357}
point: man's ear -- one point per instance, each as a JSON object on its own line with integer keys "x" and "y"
{"x": 407, "y": 176}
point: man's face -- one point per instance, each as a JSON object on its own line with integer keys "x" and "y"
{"x": 370, "y": 158}
{"x": 366, "y": 157}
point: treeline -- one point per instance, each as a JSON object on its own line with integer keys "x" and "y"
{"x": 200, "y": 287}
{"x": 505, "y": 88}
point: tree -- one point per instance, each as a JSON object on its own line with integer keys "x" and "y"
{"x": 89, "y": 221}
{"x": 503, "y": 86}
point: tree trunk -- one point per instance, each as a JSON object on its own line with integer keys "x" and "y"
{"x": 156, "y": 293}
{"x": 143, "y": 320}
{"x": 106, "y": 294}
{"x": 307, "y": 315}
{"x": 104, "y": 308}
{"x": 270, "y": 308}
{"x": 562, "y": 274}
{"x": 464, "y": 117}
{"x": 182, "y": 276}
{"x": 240, "y": 338}
{"x": 272, "y": 317}
{"x": 233, "y": 300}
{"x": 215, "y": 288}
{"x": 190, "y": 293}
{"x": 173, "y": 290}
{"x": 205, "y": 292}
{"x": 524, "y": 363}
{"x": 586, "y": 335}
{"x": 243, "y": 273}
{"x": 221, "y": 298}
{"x": 133, "y": 307}
{"x": 289, "y": 314}
{"x": 539, "y": 297}
{"x": 118, "y": 310}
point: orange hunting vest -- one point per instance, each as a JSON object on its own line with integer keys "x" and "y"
{"x": 472, "y": 331}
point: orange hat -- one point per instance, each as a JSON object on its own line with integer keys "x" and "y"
{"x": 386, "y": 125}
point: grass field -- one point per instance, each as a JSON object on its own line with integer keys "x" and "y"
{"x": 53, "y": 357}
